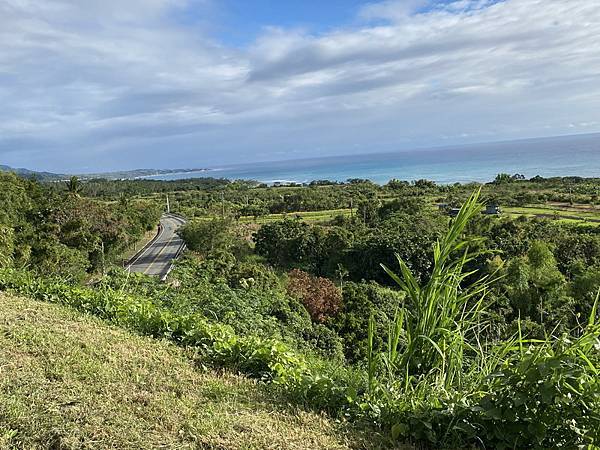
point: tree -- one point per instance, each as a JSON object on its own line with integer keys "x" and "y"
{"x": 410, "y": 235}
{"x": 425, "y": 184}
{"x": 285, "y": 243}
{"x": 397, "y": 185}
{"x": 360, "y": 301}
{"x": 368, "y": 211}
{"x": 74, "y": 186}
{"x": 585, "y": 288}
{"x": 321, "y": 298}
{"x": 503, "y": 178}
{"x": 537, "y": 290}
{"x": 56, "y": 259}
{"x": 206, "y": 236}
{"x": 255, "y": 210}
{"x": 405, "y": 204}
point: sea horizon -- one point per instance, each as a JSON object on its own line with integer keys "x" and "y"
{"x": 560, "y": 156}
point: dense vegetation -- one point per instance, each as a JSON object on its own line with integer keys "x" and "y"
{"x": 60, "y": 232}
{"x": 379, "y": 308}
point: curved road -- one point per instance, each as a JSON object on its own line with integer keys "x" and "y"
{"x": 157, "y": 258}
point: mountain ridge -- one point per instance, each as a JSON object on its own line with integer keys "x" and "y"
{"x": 117, "y": 175}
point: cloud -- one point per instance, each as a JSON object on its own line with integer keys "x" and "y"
{"x": 111, "y": 84}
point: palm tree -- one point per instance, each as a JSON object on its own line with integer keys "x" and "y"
{"x": 74, "y": 186}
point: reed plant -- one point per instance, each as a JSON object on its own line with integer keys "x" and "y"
{"x": 436, "y": 332}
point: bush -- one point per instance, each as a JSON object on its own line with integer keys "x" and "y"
{"x": 205, "y": 236}
{"x": 218, "y": 344}
{"x": 360, "y": 301}
{"x": 545, "y": 397}
{"x": 321, "y": 298}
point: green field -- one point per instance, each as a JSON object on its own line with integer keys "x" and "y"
{"x": 307, "y": 216}
{"x": 564, "y": 214}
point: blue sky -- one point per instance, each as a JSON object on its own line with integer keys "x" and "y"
{"x": 244, "y": 20}
{"x": 90, "y": 85}
{"x": 240, "y": 22}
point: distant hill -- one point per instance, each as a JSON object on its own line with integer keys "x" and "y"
{"x": 42, "y": 176}
{"x": 119, "y": 175}
{"x": 136, "y": 173}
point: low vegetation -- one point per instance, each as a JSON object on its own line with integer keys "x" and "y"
{"x": 449, "y": 332}
{"x": 69, "y": 381}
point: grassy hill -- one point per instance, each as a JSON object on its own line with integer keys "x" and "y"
{"x": 70, "y": 381}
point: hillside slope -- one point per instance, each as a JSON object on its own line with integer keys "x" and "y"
{"x": 70, "y": 381}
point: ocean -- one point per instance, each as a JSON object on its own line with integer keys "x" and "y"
{"x": 577, "y": 155}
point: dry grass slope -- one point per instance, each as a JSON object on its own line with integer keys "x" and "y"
{"x": 73, "y": 382}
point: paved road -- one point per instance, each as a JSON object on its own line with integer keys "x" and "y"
{"x": 157, "y": 258}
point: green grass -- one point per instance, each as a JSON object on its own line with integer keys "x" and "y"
{"x": 70, "y": 381}
{"x": 307, "y": 216}
{"x": 564, "y": 214}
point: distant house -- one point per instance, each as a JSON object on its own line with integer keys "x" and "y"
{"x": 492, "y": 210}
{"x": 447, "y": 209}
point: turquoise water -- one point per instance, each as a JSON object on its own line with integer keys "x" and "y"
{"x": 560, "y": 156}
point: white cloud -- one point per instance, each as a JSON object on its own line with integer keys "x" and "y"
{"x": 106, "y": 82}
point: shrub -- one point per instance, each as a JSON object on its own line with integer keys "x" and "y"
{"x": 320, "y": 296}
{"x": 360, "y": 301}
{"x": 218, "y": 344}
{"x": 206, "y": 236}
{"x": 547, "y": 396}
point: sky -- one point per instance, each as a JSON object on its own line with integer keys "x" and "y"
{"x": 94, "y": 85}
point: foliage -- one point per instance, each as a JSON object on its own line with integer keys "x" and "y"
{"x": 445, "y": 347}
{"x": 286, "y": 243}
{"x": 547, "y": 396}
{"x": 70, "y": 381}
{"x": 321, "y": 298}
{"x": 295, "y": 244}
{"x": 537, "y": 290}
{"x": 63, "y": 233}
{"x": 266, "y": 359}
{"x": 6, "y": 245}
{"x": 360, "y": 301}
{"x": 544, "y": 396}
{"x": 73, "y": 186}
{"x": 433, "y": 381}
{"x": 206, "y": 236}
{"x": 409, "y": 235}
{"x": 437, "y": 329}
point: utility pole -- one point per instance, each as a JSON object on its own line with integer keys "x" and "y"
{"x": 168, "y": 206}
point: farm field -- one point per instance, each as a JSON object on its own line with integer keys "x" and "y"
{"x": 307, "y": 216}
{"x": 569, "y": 214}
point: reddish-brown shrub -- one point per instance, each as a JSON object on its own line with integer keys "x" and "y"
{"x": 320, "y": 296}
